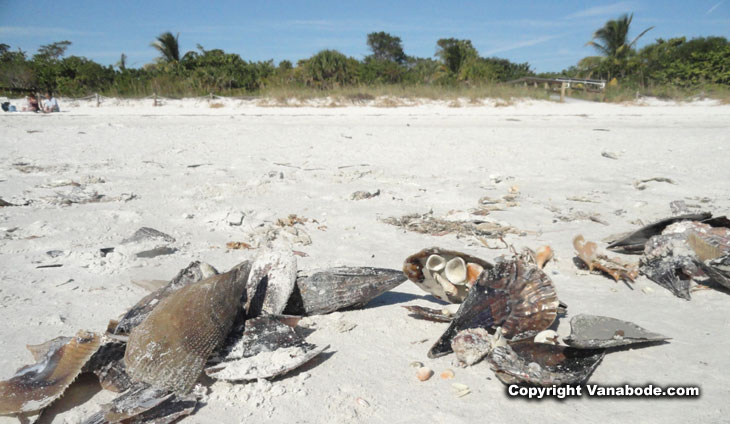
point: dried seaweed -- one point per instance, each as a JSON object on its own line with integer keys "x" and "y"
{"x": 428, "y": 224}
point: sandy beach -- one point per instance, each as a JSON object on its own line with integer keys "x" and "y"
{"x": 87, "y": 178}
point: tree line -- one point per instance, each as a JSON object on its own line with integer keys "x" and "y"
{"x": 677, "y": 62}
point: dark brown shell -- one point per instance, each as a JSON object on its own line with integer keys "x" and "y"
{"x": 193, "y": 273}
{"x": 515, "y": 295}
{"x": 542, "y": 364}
{"x": 171, "y": 346}
{"x": 322, "y": 292}
{"x": 58, "y": 363}
{"x": 414, "y": 265}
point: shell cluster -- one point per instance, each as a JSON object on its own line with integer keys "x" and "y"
{"x": 446, "y": 274}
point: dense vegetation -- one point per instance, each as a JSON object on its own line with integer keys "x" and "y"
{"x": 457, "y": 66}
{"x": 674, "y": 63}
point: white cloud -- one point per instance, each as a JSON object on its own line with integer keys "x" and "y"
{"x": 609, "y": 9}
{"x": 40, "y": 31}
{"x": 712, "y": 9}
{"x": 521, "y": 44}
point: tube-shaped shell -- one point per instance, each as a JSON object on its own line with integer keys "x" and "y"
{"x": 171, "y": 346}
{"x": 455, "y": 270}
{"x": 435, "y": 263}
{"x": 416, "y": 270}
{"x": 58, "y": 363}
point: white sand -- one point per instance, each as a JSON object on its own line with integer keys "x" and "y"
{"x": 269, "y": 162}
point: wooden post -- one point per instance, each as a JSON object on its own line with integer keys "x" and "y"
{"x": 155, "y": 103}
{"x": 562, "y": 91}
{"x": 211, "y": 96}
{"x": 98, "y": 101}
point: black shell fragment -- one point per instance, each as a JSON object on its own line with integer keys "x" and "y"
{"x": 542, "y": 364}
{"x": 591, "y": 332}
{"x": 339, "y": 288}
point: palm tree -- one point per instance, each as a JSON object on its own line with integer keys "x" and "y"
{"x": 611, "y": 39}
{"x": 168, "y": 47}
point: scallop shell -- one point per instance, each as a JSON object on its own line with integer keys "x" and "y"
{"x": 590, "y": 332}
{"x": 171, "y": 346}
{"x": 58, "y": 363}
{"x": 415, "y": 269}
{"x": 322, "y": 292}
{"x": 542, "y": 364}
{"x": 514, "y": 294}
{"x": 193, "y": 273}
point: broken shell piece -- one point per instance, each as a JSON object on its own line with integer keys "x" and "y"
{"x": 271, "y": 281}
{"x": 497, "y": 339}
{"x": 322, "y": 292}
{"x": 416, "y": 270}
{"x": 471, "y": 345}
{"x": 543, "y": 364}
{"x": 614, "y": 267}
{"x": 472, "y": 273}
{"x": 461, "y": 389}
{"x": 685, "y": 251}
{"x": 543, "y": 255}
{"x": 455, "y": 270}
{"x": 590, "y": 332}
{"x": 268, "y": 348}
{"x": 58, "y": 363}
{"x": 447, "y": 375}
{"x": 424, "y": 373}
{"x": 548, "y": 337}
{"x": 171, "y": 346}
{"x": 448, "y": 288}
{"x": 435, "y": 263}
{"x": 636, "y": 241}
{"x": 416, "y": 364}
{"x": 514, "y": 294}
{"x": 438, "y": 315}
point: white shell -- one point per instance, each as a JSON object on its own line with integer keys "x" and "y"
{"x": 547, "y": 337}
{"x": 455, "y": 270}
{"x": 435, "y": 263}
{"x": 498, "y": 339}
{"x": 449, "y": 288}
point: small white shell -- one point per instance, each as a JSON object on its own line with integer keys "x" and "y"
{"x": 498, "y": 339}
{"x": 455, "y": 270}
{"x": 435, "y": 263}
{"x": 547, "y": 337}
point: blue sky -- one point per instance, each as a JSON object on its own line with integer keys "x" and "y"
{"x": 550, "y": 35}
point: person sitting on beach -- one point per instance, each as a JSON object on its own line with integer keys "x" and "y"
{"x": 32, "y": 104}
{"x": 50, "y": 104}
